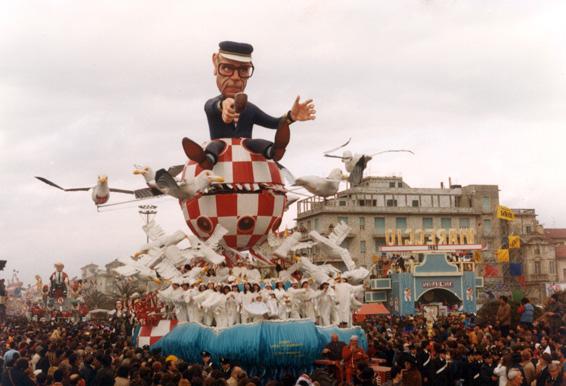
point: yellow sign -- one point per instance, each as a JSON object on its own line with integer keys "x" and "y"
{"x": 430, "y": 236}
{"x": 502, "y": 255}
{"x": 505, "y": 213}
{"x": 514, "y": 242}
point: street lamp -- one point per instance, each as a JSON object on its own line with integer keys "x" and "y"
{"x": 147, "y": 212}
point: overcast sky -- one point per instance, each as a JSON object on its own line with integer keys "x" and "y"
{"x": 476, "y": 88}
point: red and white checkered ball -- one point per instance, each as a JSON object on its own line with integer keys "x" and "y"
{"x": 149, "y": 334}
{"x": 251, "y": 204}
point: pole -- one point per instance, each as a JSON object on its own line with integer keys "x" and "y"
{"x": 148, "y": 211}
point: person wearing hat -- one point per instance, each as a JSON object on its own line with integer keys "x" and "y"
{"x": 59, "y": 281}
{"x": 207, "y": 364}
{"x": 233, "y": 67}
{"x": 411, "y": 375}
{"x": 226, "y": 368}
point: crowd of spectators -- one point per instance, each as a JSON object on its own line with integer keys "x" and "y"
{"x": 455, "y": 350}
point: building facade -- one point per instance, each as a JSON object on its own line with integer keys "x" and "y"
{"x": 382, "y": 210}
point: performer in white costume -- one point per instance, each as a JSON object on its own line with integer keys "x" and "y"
{"x": 326, "y": 304}
{"x": 344, "y": 294}
{"x": 308, "y": 302}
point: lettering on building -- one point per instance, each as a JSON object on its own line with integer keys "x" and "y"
{"x": 438, "y": 284}
{"x": 432, "y": 237}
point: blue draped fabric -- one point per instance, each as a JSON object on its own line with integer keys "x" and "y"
{"x": 259, "y": 347}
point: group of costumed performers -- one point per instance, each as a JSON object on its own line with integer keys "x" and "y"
{"x": 241, "y": 295}
{"x": 62, "y": 297}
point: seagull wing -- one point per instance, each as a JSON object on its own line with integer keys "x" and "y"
{"x": 357, "y": 173}
{"x": 173, "y": 255}
{"x": 167, "y": 183}
{"x": 339, "y": 147}
{"x": 216, "y": 236}
{"x": 392, "y": 151}
{"x": 339, "y": 233}
{"x": 153, "y": 230}
{"x": 126, "y": 270}
{"x": 287, "y": 175}
{"x": 272, "y": 240}
{"x": 346, "y": 258}
{"x": 122, "y": 191}
{"x": 306, "y": 244}
{"x": 147, "y": 193}
{"x": 334, "y": 156}
{"x": 175, "y": 170}
{"x": 167, "y": 270}
{"x": 46, "y": 181}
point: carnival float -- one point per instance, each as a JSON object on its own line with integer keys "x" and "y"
{"x": 233, "y": 192}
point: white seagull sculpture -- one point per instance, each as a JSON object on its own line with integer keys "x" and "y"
{"x": 188, "y": 188}
{"x": 321, "y": 186}
{"x": 100, "y": 193}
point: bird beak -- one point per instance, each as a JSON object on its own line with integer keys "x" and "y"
{"x": 345, "y": 177}
{"x": 102, "y": 179}
{"x": 138, "y": 171}
{"x": 216, "y": 179}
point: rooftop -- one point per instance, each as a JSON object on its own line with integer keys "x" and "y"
{"x": 555, "y": 233}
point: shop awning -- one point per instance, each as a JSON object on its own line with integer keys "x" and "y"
{"x": 372, "y": 309}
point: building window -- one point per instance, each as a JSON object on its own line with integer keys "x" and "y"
{"x": 316, "y": 224}
{"x": 399, "y": 184}
{"x": 486, "y": 204}
{"x": 378, "y": 242}
{"x": 341, "y": 203}
{"x": 362, "y": 223}
{"x": 537, "y": 268}
{"x": 427, "y": 223}
{"x": 401, "y": 223}
{"x": 464, "y": 223}
{"x": 446, "y": 223}
{"x": 486, "y": 227}
{"x": 391, "y": 184}
{"x": 415, "y": 203}
{"x": 362, "y": 247}
{"x": 379, "y": 224}
{"x": 551, "y": 267}
{"x": 391, "y": 202}
{"x": 537, "y": 250}
{"x": 528, "y": 229}
{"x": 343, "y": 219}
{"x": 309, "y": 225}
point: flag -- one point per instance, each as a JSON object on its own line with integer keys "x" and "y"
{"x": 514, "y": 242}
{"x": 505, "y": 213}
{"x": 516, "y": 269}
{"x": 502, "y": 255}
{"x": 521, "y": 280}
{"x": 517, "y": 295}
{"x": 491, "y": 271}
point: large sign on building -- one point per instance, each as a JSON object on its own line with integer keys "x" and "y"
{"x": 410, "y": 236}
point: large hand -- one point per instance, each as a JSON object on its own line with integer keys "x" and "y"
{"x": 303, "y": 111}
{"x": 229, "y": 114}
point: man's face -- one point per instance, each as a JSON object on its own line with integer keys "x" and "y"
{"x": 229, "y": 85}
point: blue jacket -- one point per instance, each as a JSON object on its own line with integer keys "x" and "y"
{"x": 250, "y": 116}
